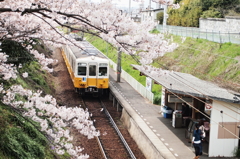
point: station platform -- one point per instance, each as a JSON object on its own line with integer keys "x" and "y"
{"x": 170, "y": 141}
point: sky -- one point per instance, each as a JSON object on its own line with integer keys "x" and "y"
{"x": 124, "y": 4}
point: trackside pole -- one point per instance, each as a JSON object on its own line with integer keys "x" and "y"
{"x": 119, "y": 65}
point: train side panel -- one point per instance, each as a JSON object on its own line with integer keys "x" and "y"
{"x": 65, "y": 53}
{"x": 80, "y": 71}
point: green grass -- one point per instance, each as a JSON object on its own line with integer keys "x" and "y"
{"x": 36, "y": 79}
{"x": 21, "y": 138}
{"x": 127, "y": 60}
{"x": 206, "y": 60}
{"x": 202, "y": 58}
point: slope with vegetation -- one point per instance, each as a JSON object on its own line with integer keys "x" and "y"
{"x": 21, "y": 137}
{"x": 210, "y": 61}
{"x": 219, "y": 63}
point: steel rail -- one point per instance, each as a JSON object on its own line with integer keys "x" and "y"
{"x": 98, "y": 140}
{"x": 118, "y": 131}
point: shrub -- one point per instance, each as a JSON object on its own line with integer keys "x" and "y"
{"x": 157, "y": 99}
{"x": 16, "y": 52}
{"x": 212, "y": 13}
{"x": 160, "y": 16}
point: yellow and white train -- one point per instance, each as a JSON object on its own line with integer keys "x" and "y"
{"x": 88, "y": 68}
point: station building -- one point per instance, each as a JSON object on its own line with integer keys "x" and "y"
{"x": 216, "y": 108}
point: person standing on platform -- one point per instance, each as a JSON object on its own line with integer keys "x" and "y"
{"x": 196, "y": 140}
{"x": 203, "y": 135}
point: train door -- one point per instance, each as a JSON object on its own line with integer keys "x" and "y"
{"x": 92, "y": 74}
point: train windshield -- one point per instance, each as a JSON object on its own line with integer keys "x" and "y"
{"x": 92, "y": 70}
{"x": 82, "y": 69}
{"x": 102, "y": 69}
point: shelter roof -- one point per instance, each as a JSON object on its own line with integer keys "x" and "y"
{"x": 187, "y": 84}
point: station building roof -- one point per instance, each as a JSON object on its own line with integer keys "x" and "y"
{"x": 187, "y": 84}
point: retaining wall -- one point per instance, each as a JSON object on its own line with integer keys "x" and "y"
{"x": 148, "y": 142}
{"x": 229, "y": 24}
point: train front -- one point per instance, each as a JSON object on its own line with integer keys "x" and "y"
{"x": 92, "y": 75}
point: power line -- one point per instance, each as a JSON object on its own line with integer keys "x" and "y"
{"x": 223, "y": 56}
{"x": 198, "y": 109}
{"x": 205, "y": 96}
{"x": 199, "y": 92}
{"x": 202, "y": 112}
{"x": 207, "y": 116}
{"x": 175, "y": 61}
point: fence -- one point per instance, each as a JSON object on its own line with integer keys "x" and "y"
{"x": 211, "y": 35}
{"x": 134, "y": 83}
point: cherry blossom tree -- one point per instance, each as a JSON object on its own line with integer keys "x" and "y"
{"x": 43, "y": 19}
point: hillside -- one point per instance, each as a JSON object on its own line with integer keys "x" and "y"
{"x": 219, "y": 63}
{"x": 210, "y": 61}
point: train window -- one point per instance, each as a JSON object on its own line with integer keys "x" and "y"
{"x": 102, "y": 71}
{"x": 92, "y": 70}
{"x": 82, "y": 69}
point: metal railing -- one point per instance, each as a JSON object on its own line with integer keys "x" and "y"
{"x": 211, "y": 35}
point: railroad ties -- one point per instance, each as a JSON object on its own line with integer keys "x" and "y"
{"x": 111, "y": 141}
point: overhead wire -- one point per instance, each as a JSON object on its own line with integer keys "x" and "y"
{"x": 202, "y": 112}
{"x": 199, "y": 92}
{"x": 196, "y": 90}
{"x": 198, "y": 109}
{"x": 205, "y": 103}
{"x": 223, "y": 56}
{"x": 212, "y": 107}
{"x": 175, "y": 61}
{"x": 206, "y": 97}
{"x": 207, "y": 116}
{"x": 208, "y": 75}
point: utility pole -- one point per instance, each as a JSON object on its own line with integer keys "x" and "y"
{"x": 165, "y": 16}
{"x": 129, "y": 8}
{"x": 119, "y": 68}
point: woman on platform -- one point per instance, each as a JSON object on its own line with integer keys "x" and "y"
{"x": 197, "y": 141}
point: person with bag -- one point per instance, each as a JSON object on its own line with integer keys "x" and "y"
{"x": 203, "y": 135}
{"x": 196, "y": 140}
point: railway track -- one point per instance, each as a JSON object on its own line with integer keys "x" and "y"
{"x": 111, "y": 142}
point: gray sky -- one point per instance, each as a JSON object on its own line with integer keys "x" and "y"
{"x": 125, "y": 3}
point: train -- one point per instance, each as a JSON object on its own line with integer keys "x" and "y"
{"x": 88, "y": 68}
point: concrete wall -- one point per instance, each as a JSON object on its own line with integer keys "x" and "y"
{"x": 139, "y": 137}
{"x": 228, "y": 24}
{"x": 222, "y": 147}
